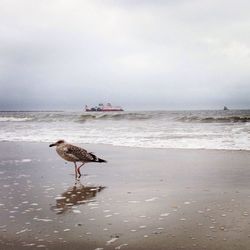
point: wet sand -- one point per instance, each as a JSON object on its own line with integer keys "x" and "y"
{"x": 141, "y": 199}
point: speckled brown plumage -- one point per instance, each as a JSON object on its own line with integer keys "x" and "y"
{"x": 75, "y": 154}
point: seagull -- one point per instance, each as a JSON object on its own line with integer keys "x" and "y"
{"x": 75, "y": 154}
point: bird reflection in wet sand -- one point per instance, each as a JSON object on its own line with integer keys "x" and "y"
{"x": 76, "y": 195}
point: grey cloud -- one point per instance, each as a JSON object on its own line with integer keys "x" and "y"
{"x": 154, "y": 54}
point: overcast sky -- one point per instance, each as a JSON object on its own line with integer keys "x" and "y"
{"x": 172, "y": 54}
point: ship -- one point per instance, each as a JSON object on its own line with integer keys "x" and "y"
{"x": 225, "y": 108}
{"x": 103, "y": 108}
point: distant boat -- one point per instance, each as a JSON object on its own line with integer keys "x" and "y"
{"x": 225, "y": 108}
{"x": 103, "y": 108}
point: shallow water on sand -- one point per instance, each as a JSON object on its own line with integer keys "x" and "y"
{"x": 138, "y": 200}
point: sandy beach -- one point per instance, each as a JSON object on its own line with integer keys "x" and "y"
{"x": 141, "y": 199}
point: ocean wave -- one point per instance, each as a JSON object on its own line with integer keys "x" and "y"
{"x": 15, "y": 119}
{"x": 226, "y": 119}
{"x": 114, "y": 116}
{"x": 37, "y": 117}
{"x": 159, "y": 117}
{"x": 149, "y": 129}
{"x": 75, "y": 117}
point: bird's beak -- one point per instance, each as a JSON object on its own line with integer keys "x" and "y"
{"x": 52, "y": 145}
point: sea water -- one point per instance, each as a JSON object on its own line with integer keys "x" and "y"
{"x": 207, "y": 129}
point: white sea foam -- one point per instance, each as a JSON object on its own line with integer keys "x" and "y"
{"x": 108, "y": 215}
{"x": 22, "y": 231}
{"x": 43, "y": 220}
{"x": 76, "y": 211}
{"x": 152, "y": 199}
{"x": 14, "y": 119}
{"x": 122, "y": 245}
{"x": 26, "y": 160}
{"x": 182, "y": 129}
{"x": 165, "y": 215}
{"x": 111, "y": 241}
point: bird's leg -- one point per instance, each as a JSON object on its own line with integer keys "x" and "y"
{"x": 78, "y": 170}
{"x": 75, "y": 170}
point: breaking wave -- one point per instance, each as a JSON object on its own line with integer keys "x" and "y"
{"x": 15, "y": 119}
{"x": 153, "y": 129}
{"x": 74, "y": 116}
{"x": 114, "y": 116}
{"x": 162, "y": 116}
{"x": 227, "y": 119}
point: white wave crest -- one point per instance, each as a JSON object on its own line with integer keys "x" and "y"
{"x": 14, "y": 119}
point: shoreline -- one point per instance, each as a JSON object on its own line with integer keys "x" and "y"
{"x": 130, "y": 147}
{"x": 141, "y": 199}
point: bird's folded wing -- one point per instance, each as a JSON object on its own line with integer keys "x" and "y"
{"x": 79, "y": 153}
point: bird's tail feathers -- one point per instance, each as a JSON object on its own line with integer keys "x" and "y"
{"x": 101, "y": 160}
{"x": 96, "y": 159}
